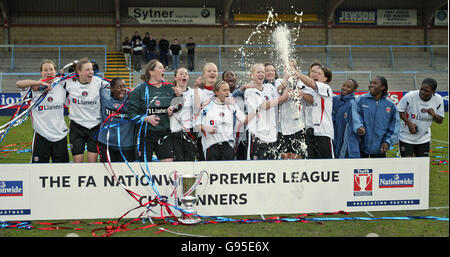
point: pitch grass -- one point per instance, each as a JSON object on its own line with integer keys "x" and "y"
{"x": 439, "y": 193}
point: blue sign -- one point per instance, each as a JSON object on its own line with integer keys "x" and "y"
{"x": 356, "y": 17}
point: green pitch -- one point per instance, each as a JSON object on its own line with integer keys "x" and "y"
{"x": 15, "y": 149}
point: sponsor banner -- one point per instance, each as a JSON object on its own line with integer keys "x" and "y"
{"x": 11, "y": 188}
{"x": 441, "y": 18}
{"x": 169, "y": 15}
{"x": 279, "y": 17}
{"x": 356, "y": 17}
{"x": 397, "y": 17}
{"x": 91, "y": 191}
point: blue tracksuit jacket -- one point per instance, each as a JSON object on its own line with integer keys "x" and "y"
{"x": 108, "y": 106}
{"x": 381, "y": 120}
{"x": 346, "y": 142}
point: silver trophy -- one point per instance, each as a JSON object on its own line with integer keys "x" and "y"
{"x": 187, "y": 182}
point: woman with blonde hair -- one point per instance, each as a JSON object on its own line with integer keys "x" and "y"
{"x": 83, "y": 93}
{"x": 261, "y": 102}
{"x": 204, "y": 95}
{"x": 217, "y": 122}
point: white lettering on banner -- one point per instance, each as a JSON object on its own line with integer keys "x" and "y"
{"x": 356, "y": 17}
{"x": 242, "y": 188}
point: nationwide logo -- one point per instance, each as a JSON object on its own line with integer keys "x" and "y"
{"x": 11, "y": 188}
{"x": 396, "y": 180}
{"x": 362, "y": 182}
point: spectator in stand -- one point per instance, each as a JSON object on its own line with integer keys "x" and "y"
{"x": 163, "y": 46}
{"x": 126, "y": 48}
{"x": 151, "y": 48}
{"x": 191, "y": 54}
{"x": 145, "y": 43}
{"x": 136, "y": 36}
{"x": 418, "y": 109}
{"x": 175, "y": 52}
{"x": 137, "y": 55}
{"x": 376, "y": 120}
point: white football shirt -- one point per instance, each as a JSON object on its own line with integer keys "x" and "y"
{"x": 184, "y": 116}
{"x": 264, "y": 124}
{"x": 318, "y": 115}
{"x": 222, "y": 117}
{"x": 48, "y": 117}
{"x": 412, "y": 105}
{"x": 290, "y": 117}
{"x": 84, "y": 101}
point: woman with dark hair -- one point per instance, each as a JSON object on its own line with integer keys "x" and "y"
{"x": 418, "y": 109}
{"x": 376, "y": 120}
{"x": 149, "y": 106}
{"x": 345, "y": 142}
{"x": 182, "y": 122}
{"x": 115, "y": 124}
{"x": 50, "y": 129}
{"x": 270, "y": 73}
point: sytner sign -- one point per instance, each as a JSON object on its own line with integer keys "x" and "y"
{"x": 89, "y": 190}
{"x": 169, "y": 15}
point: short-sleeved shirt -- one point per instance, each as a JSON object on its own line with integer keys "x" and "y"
{"x": 413, "y": 105}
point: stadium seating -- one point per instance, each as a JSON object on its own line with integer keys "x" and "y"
{"x": 410, "y": 67}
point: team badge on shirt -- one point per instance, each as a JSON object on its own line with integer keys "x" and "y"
{"x": 221, "y": 114}
{"x": 84, "y": 93}
{"x": 157, "y": 103}
{"x": 50, "y": 99}
{"x": 388, "y": 109}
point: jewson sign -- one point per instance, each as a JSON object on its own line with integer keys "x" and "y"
{"x": 169, "y": 15}
{"x": 356, "y": 17}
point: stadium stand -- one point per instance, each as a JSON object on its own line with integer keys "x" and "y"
{"x": 103, "y": 23}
